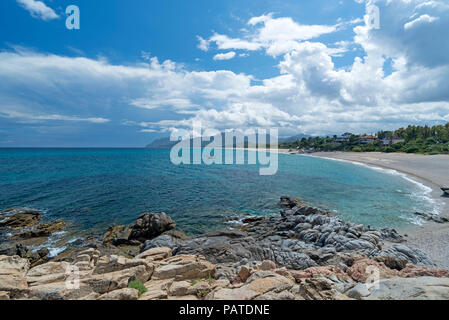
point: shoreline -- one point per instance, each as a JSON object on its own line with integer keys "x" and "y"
{"x": 431, "y": 238}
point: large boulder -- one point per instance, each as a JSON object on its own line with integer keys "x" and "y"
{"x": 185, "y": 267}
{"x": 151, "y": 225}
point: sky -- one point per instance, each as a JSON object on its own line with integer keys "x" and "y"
{"x": 138, "y": 70}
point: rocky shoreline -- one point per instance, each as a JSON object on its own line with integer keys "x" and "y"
{"x": 302, "y": 254}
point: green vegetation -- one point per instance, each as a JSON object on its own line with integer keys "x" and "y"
{"x": 413, "y": 139}
{"x": 139, "y": 286}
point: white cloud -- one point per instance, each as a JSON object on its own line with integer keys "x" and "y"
{"x": 425, "y": 18}
{"x": 202, "y": 44}
{"x": 225, "y": 56}
{"x": 30, "y": 118}
{"x": 310, "y": 94}
{"x": 38, "y": 9}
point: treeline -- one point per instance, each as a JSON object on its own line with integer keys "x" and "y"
{"x": 413, "y": 139}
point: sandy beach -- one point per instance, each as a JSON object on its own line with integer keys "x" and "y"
{"x": 431, "y": 170}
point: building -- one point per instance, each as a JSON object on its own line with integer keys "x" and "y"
{"x": 391, "y": 141}
{"x": 344, "y": 137}
{"x": 367, "y": 139}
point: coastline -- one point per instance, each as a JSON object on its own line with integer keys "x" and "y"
{"x": 431, "y": 171}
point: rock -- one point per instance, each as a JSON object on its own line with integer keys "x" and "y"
{"x": 244, "y": 273}
{"x": 122, "y": 294}
{"x": 391, "y": 235}
{"x": 164, "y": 241}
{"x": 289, "y": 202}
{"x": 268, "y": 281}
{"x": 365, "y": 269}
{"x": 13, "y": 272}
{"x": 238, "y": 294}
{"x": 107, "y": 264}
{"x": 185, "y": 267}
{"x": 20, "y": 218}
{"x": 267, "y": 265}
{"x": 151, "y": 225}
{"x": 326, "y": 271}
{"x": 112, "y": 233}
{"x": 392, "y": 262}
{"x": 59, "y": 291}
{"x": 412, "y": 271}
{"x": 320, "y": 288}
{"x": 157, "y": 289}
{"x": 4, "y": 296}
{"x": 104, "y": 283}
{"x": 413, "y": 256}
{"x": 180, "y": 288}
{"x": 43, "y": 230}
{"x": 432, "y": 217}
{"x": 423, "y": 288}
{"x": 359, "y": 291}
{"x": 50, "y": 272}
{"x": 155, "y": 254}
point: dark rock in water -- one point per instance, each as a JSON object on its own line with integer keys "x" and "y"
{"x": 148, "y": 226}
{"x": 20, "y": 218}
{"x": 151, "y": 225}
{"x": 432, "y": 217}
{"x": 290, "y": 203}
{"x": 112, "y": 233}
{"x": 43, "y": 230}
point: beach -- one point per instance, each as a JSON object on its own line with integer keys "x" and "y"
{"x": 431, "y": 170}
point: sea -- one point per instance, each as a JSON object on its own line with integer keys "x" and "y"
{"x": 92, "y": 189}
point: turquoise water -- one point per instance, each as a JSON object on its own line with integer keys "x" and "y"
{"x": 94, "y": 188}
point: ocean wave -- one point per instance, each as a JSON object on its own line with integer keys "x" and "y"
{"x": 436, "y": 206}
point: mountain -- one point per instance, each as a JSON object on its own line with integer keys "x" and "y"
{"x": 294, "y": 138}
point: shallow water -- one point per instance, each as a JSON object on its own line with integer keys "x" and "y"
{"x": 94, "y": 188}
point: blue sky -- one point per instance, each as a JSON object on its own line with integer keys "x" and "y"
{"x": 137, "y": 70}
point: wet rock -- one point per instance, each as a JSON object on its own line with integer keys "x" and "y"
{"x": 112, "y": 233}
{"x": 151, "y": 225}
{"x": 19, "y": 218}
{"x": 432, "y": 217}
{"x": 43, "y": 230}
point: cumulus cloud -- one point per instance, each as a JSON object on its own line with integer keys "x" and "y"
{"x": 225, "y": 56}
{"x": 38, "y": 9}
{"x": 309, "y": 94}
{"x": 425, "y": 18}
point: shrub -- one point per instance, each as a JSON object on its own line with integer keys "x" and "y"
{"x": 138, "y": 286}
